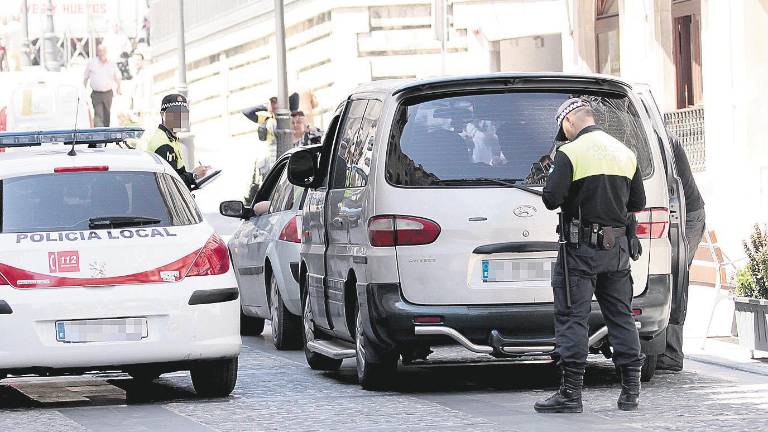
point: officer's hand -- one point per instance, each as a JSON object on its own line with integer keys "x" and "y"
{"x": 200, "y": 171}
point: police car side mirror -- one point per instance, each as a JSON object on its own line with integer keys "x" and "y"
{"x": 235, "y": 209}
{"x": 302, "y": 168}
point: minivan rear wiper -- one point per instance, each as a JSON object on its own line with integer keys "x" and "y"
{"x": 501, "y": 182}
{"x": 120, "y": 221}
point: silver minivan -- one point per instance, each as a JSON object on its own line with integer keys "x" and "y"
{"x": 420, "y": 227}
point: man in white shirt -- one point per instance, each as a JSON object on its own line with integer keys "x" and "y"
{"x": 105, "y": 78}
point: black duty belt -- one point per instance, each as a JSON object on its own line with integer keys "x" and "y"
{"x": 617, "y": 231}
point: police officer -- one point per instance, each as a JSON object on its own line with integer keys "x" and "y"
{"x": 595, "y": 181}
{"x": 174, "y": 113}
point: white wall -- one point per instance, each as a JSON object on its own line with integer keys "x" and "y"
{"x": 531, "y": 54}
{"x": 734, "y": 63}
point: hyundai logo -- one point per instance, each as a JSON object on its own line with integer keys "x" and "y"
{"x": 525, "y": 211}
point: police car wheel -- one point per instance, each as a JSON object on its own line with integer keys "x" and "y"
{"x": 216, "y": 378}
{"x": 250, "y": 326}
{"x": 375, "y": 368}
{"x": 314, "y": 360}
{"x": 649, "y": 367}
{"x": 286, "y": 327}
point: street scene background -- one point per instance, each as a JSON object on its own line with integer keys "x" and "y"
{"x": 704, "y": 60}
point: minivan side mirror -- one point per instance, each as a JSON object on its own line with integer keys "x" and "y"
{"x": 302, "y": 168}
{"x": 235, "y": 209}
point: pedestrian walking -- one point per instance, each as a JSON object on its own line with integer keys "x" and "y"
{"x": 174, "y": 113}
{"x": 595, "y": 182}
{"x": 105, "y": 79}
{"x": 695, "y": 218}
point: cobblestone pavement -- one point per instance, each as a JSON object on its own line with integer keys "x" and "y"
{"x": 276, "y": 391}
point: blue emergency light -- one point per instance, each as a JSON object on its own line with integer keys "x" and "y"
{"x": 69, "y": 136}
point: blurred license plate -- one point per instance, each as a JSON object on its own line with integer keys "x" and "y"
{"x": 102, "y": 330}
{"x": 517, "y": 270}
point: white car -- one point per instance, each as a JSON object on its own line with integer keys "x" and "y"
{"x": 411, "y": 240}
{"x": 265, "y": 254}
{"x": 106, "y": 263}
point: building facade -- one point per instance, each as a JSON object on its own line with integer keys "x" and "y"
{"x": 703, "y": 59}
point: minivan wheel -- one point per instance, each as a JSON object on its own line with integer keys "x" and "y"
{"x": 375, "y": 369}
{"x": 250, "y": 326}
{"x": 314, "y": 360}
{"x": 286, "y": 327}
{"x": 216, "y": 378}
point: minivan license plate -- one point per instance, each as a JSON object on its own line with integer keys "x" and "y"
{"x": 102, "y": 330}
{"x": 517, "y": 270}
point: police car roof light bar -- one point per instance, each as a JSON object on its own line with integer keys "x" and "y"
{"x": 69, "y": 136}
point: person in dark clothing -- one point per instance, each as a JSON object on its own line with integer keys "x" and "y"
{"x": 595, "y": 182}
{"x": 695, "y": 221}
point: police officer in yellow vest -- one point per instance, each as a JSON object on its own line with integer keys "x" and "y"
{"x": 174, "y": 113}
{"x": 595, "y": 182}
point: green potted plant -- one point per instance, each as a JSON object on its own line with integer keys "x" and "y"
{"x": 752, "y": 290}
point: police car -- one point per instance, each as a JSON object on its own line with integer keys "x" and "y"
{"x": 106, "y": 263}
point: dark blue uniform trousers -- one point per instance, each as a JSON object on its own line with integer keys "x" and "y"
{"x": 605, "y": 274}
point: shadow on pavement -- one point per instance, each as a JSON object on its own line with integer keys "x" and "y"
{"x": 485, "y": 376}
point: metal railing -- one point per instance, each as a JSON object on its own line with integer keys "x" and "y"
{"x": 688, "y": 125}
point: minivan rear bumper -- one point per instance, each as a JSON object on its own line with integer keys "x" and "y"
{"x": 391, "y": 319}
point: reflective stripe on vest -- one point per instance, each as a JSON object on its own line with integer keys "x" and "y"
{"x": 597, "y": 153}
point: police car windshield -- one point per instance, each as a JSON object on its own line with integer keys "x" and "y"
{"x": 72, "y": 201}
{"x": 442, "y": 141}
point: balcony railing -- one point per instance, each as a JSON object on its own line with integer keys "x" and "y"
{"x": 688, "y": 125}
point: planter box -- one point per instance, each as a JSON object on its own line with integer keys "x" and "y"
{"x": 752, "y": 322}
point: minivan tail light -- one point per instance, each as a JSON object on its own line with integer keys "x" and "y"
{"x": 291, "y": 232}
{"x": 59, "y": 170}
{"x": 652, "y": 223}
{"x": 213, "y": 259}
{"x": 388, "y": 231}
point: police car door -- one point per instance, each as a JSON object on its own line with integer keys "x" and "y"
{"x": 676, "y": 208}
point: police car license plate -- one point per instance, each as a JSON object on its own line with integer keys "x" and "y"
{"x": 102, "y": 330}
{"x": 517, "y": 270}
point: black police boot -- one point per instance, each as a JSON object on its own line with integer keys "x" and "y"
{"x": 568, "y": 397}
{"x": 630, "y": 388}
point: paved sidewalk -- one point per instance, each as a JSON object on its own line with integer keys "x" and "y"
{"x": 720, "y": 347}
{"x": 726, "y": 352}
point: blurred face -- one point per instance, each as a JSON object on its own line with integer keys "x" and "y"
{"x": 569, "y": 128}
{"x": 101, "y": 51}
{"x": 176, "y": 121}
{"x": 273, "y": 105}
{"x": 299, "y": 126}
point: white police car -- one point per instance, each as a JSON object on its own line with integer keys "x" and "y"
{"x": 106, "y": 263}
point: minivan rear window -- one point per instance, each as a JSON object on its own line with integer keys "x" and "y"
{"x": 71, "y": 201}
{"x": 442, "y": 141}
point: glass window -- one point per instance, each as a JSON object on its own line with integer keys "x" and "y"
{"x": 345, "y": 138}
{"x": 67, "y": 201}
{"x": 607, "y": 37}
{"x": 436, "y": 142}
{"x": 283, "y": 197}
{"x": 360, "y": 151}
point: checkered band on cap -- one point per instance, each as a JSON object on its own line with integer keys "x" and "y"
{"x": 165, "y": 106}
{"x": 568, "y": 107}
